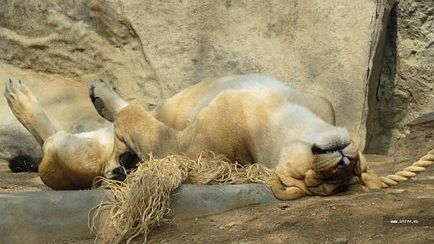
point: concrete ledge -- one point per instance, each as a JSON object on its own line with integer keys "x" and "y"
{"x": 192, "y": 201}
{"x": 35, "y": 217}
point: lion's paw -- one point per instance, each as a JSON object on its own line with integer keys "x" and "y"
{"x": 20, "y": 98}
{"x": 105, "y": 100}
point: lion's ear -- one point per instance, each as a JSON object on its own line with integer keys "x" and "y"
{"x": 361, "y": 165}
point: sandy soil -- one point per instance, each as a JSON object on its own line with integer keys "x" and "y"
{"x": 19, "y": 182}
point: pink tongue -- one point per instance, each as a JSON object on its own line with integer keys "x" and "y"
{"x": 346, "y": 161}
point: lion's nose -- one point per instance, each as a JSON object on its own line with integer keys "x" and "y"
{"x": 117, "y": 173}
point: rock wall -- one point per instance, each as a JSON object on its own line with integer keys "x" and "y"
{"x": 406, "y": 86}
{"x": 149, "y": 50}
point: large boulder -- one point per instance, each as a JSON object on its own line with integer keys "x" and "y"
{"x": 151, "y": 50}
{"x": 406, "y": 85}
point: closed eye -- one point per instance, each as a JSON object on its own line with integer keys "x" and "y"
{"x": 317, "y": 150}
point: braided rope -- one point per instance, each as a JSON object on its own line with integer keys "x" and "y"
{"x": 410, "y": 171}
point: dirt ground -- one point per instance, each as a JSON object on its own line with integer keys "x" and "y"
{"x": 349, "y": 217}
{"x": 19, "y": 182}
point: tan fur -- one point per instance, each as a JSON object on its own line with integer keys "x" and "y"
{"x": 236, "y": 123}
{"x": 69, "y": 154}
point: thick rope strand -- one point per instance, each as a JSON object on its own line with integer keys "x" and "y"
{"x": 410, "y": 171}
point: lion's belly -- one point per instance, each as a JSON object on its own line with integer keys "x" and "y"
{"x": 239, "y": 124}
{"x": 182, "y": 109}
{"x": 247, "y": 118}
{"x": 274, "y": 124}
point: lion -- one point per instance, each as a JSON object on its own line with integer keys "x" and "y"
{"x": 248, "y": 118}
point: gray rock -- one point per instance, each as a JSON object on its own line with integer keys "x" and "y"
{"x": 341, "y": 240}
{"x": 406, "y": 85}
{"x": 197, "y": 200}
{"x": 35, "y": 217}
{"x": 425, "y": 121}
{"x": 57, "y": 215}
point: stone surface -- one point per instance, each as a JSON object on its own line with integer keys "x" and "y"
{"x": 43, "y": 216}
{"x": 418, "y": 141}
{"x": 423, "y": 121}
{"x": 36, "y": 217}
{"x": 150, "y": 50}
{"x": 406, "y": 86}
{"x": 197, "y": 200}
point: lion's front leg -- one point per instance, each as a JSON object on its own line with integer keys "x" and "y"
{"x": 369, "y": 178}
{"x": 317, "y": 186}
{"x": 312, "y": 179}
{"x": 284, "y": 192}
{"x": 290, "y": 172}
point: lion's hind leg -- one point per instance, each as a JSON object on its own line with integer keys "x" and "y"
{"x": 28, "y": 111}
{"x": 105, "y": 100}
{"x": 72, "y": 161}
{"x": 51, "y": 172}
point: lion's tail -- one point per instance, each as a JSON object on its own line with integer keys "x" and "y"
{"x": 24, "y": 163}
{"x": 409, "y": 172}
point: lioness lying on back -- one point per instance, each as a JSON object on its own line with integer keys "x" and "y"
{"x": 251, "y": 118}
